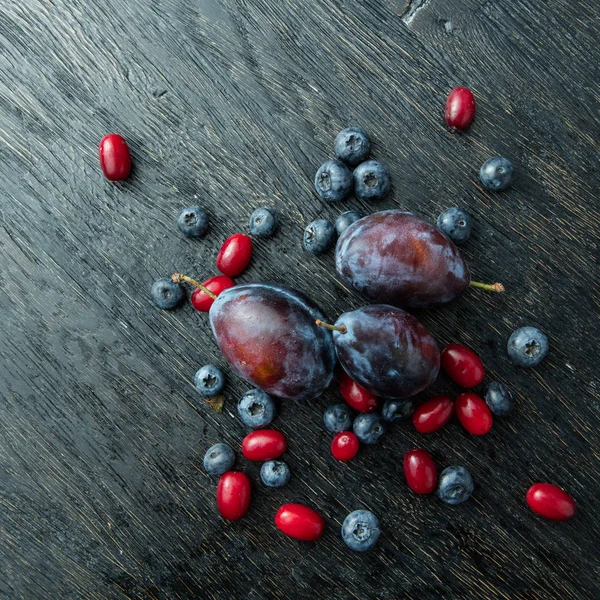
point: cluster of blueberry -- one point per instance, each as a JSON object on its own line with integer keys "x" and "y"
{"x": 371, "y": 181}
{"x": 334, "y": 181}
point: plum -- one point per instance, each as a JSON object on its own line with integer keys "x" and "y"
{"x": 386, "y": 350}
{"x": 399, "y": 258}
{"x": 267, "y": 333}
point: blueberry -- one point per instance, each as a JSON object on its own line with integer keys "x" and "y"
{"x": 368, "y": 428}
{"x": 193, "y": 221}
{"x": 397, "y": 410}
{"x": 209, "y": 381}
{"x": 166, "y": 294}
{"x": 263, "y": 222}
{"x": 352, "y": 145}
{"x": 345, "y": 220}
{"x": 456, "y": 224}
{"x": 256, "y": 409}
{"x": 319, "y": 236}
{"x": 218, "y": 459}
{"x": 528, "y": 346}
{"x": 455, "y": 485}
{"x": 337, "y": 418}
{"x": 371, "y": 180}
{"x": 499, "y": 399}
{"x": 333, "y": 181}
{"x": 275, "y": 473}
{"x": 360, "y": 530}
{"x": 496, "y": 173}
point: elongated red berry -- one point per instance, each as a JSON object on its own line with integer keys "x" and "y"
{"x": 265, "y": 444}
{"x": 550, "y": 502}
{"x": 420, "y": 471}
{"x": 473, "y": 413}
{"x": 344, "y": 446}
{"x": 356, "y": 396}
{"x": 300, "y": 522}
{"x": 234, "y": 255}
{"x": 460, "y": 108}
{"x": 202, "y": 301}
{"x": 433, "y": 414}
{"x": 115, "y": 158}
{"x": 233, "y": 495}
{"x": 462, "y": 365}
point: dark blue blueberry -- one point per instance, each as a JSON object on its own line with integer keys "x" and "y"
{"x": 256, "y": 409}
{"x": 360, "y": 530}
{"x": 333, "y": 181}
{"x": 166, "y": 294}
{"x": 209, "y": 381}
{"x": 455, "y": 485}
{"x": 218, "y": 459}
{"x": 371, "y": 180}
{"x": 496, "y": 173}
{"x": 193, "y": 221}
{"x": 352, "y": 145}
{"x": 337, "y": 417}
{"x": 263, "y": 222}
{"x": 345, "y": 220}
{"x": 397, "y": 410}
{"x": 528, "y": 346}
{"x": 275, "y": 473}
{"x": 368, "y": 428}
{"x": 319, "y": 236}
{"x": 456, "y": 224}
{"x": 499, "y": 399}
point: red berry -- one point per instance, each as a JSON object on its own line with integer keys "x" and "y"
{"x": 234, "y": 255}
{"x": 460, "y": 108}
{"x": 115, "y": 159}
{"x": 300, "y": 522}
{"x": 550, "y": 502}
{"x": 233, "y": 495}
{"x": 344, "y": 446}
{"x": 433, "y": 414}
{"x": 473, "y": 413}
{"x": 420, "y": 471}
{"x": 202, "y": 301}
{"x": 355, "y": 395}
{"x": 462, "y": 365}
{"x": 265, "y": 444}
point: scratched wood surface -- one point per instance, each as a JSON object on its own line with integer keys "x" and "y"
{"x": 234, "y": 104}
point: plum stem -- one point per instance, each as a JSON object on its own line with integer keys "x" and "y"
{"x": 340, "y": 328}
{"x": 490, "y": 287}
{"x": 179, "y": 278}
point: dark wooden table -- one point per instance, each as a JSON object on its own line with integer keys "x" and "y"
{"x": 234, "y": 104}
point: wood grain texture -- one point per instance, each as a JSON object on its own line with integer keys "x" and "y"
{"x": 234, "y": 104}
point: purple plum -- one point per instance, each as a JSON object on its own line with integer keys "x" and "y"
{"x": 386, "y": 350}
{"x": 398, "y": 258}
{"x": 267, "y": 333}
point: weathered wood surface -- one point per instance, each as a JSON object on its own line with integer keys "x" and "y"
{"x": 235, "y": 103}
